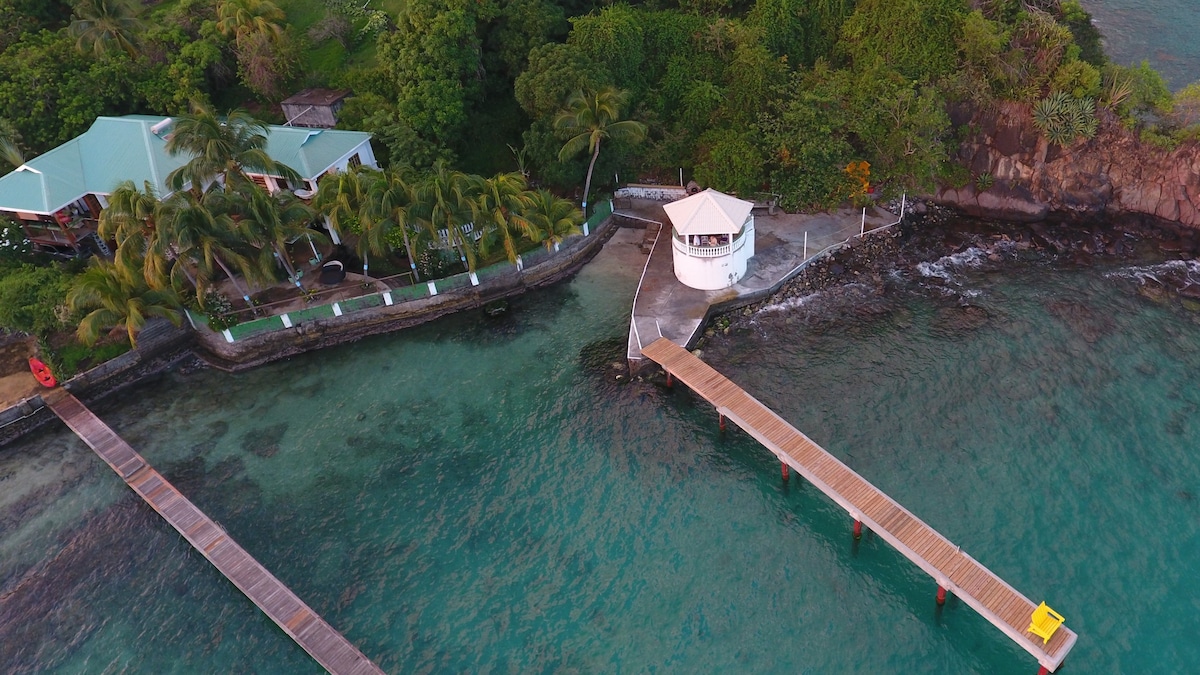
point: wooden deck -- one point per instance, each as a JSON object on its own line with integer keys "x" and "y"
{"x": 297, "y": 619}
{"x": 952, "y": 569}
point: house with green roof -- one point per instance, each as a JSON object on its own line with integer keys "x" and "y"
{"x": 57, "y": 196}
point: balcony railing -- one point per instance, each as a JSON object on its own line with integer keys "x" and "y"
{"x": 709, "y": 251}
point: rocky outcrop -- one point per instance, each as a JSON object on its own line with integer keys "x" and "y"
{"x": 1111, "y": 174}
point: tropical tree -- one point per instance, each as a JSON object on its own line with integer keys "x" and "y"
{"x": 188, "y": 229}
{"x": 102, "y": 26}
{"x": 270, "y": 222}
{"x": 391, "y": 201}
{"x": 446, "y": 201}
{"x": 226, "y": 147}
{"x": 129, "y": 220}
{"x": 589, "y": 118}
{"x": 554, "y": 217}
{"x": 503, "y": 203}
{"x": 342, "y": 198}
{"x": 118, "y": 298}
{"x": 239, "y": 19}
{"x": 10, "y": 146}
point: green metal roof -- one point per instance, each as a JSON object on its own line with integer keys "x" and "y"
{"x": 116, "y": 149}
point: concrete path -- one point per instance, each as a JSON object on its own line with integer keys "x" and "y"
{"x": 664, "y": 307}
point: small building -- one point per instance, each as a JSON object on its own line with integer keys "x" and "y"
{"x": 314, "y": 107}
{"x": 712, "y": 237}
{"x": 57, "y": 197}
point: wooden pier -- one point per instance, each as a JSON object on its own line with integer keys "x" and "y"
{"x": 952, "y": 569}
{"x": 310, "y": 631}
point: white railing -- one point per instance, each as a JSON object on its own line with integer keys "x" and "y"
{"x": 633, "y": 310}
{"x": 709, "y": 251}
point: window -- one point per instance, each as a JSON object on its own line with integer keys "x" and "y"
{"x": 354, "y": 161}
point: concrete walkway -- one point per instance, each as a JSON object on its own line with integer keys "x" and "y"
{"x": 664, "y": 307}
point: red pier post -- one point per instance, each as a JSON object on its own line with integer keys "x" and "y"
{"x": 858, "y": 529}
{"x": 785, "y": 472}
{"x": 1043, "y": 670}
{"x": 722, "y": 420}
{"x": 670, "y": 382}
{"x": 941, "y": 596}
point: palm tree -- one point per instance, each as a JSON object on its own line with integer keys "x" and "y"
{"x": 270, "y": 222}
{"x": 555, "y": 217}
{"x": 446, "y": 202}
{"x": 221, "y": 147}
{"x": 391, "y": 201}
{"x": 188, "y": 228}
{"x": 503, "y": 201}
{"x": 240, "y": 18}
{"x": 129, "y": 220}
{"x": 589, "y": 118}
{"x": 118, "y": 298}
{"x": 342, "y": 198}
{"x": 105, "y": 25}
{"x": 10, "y": 147}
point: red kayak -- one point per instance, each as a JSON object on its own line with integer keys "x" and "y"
{"x": 42, "y": 372}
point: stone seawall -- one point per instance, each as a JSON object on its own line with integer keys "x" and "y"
{"x": 160, "y": 345}
{"x": 262, "y": 348}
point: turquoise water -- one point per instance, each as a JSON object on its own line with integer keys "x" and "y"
{"x": 1162, "y": 32}
{"x": 476, "y": 496}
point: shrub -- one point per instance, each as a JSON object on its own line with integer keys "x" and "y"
{"x": 984, "y": 181}
{"x": 30, "y": 298}
{"x": 1063, "y": 118}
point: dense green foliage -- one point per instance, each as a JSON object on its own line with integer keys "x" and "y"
{"x": 30, "y": 298}
{"x": 749, "y": 96}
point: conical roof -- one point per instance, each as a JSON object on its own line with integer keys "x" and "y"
{"x": 708, "y": 212}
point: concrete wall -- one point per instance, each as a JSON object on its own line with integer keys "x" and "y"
{"x": 661, "y": 193}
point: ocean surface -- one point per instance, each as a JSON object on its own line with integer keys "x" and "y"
{"x": 1162, "y": 32}
{"x": 481, "y": 495}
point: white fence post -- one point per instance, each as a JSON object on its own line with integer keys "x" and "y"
{"x": 863, "y": 229}
{"x": 805, "y": 245}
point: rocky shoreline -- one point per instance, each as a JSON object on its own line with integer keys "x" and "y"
{"x": 935, "y": 232}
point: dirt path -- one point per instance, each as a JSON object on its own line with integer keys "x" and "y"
{"x": 16, "y": 382}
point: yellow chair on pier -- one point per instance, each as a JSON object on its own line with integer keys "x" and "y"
{"x": 1044, "y": 622}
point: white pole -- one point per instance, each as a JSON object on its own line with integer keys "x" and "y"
{"x": 862, "y": 230}
{"x": 903, "y": 203}
{"x": 681, "y": 176}
{"x": 314, "y": 248}
{"x": 805, "y": 245}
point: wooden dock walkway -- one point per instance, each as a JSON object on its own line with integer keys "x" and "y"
{"x": 310, "y": 631}
{"x": 952, "y": 569}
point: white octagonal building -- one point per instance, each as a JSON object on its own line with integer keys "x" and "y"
{"x": 712, "y": 236}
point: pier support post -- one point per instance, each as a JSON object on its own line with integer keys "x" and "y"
{"x": 858, "y": 529}
{"x": 670, "y": 381}
{"x": 941, "y": 596}
{"x": 785, "y": 472}
{"x": 1043, "y": 670}
{"x": 721, "y": 421}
